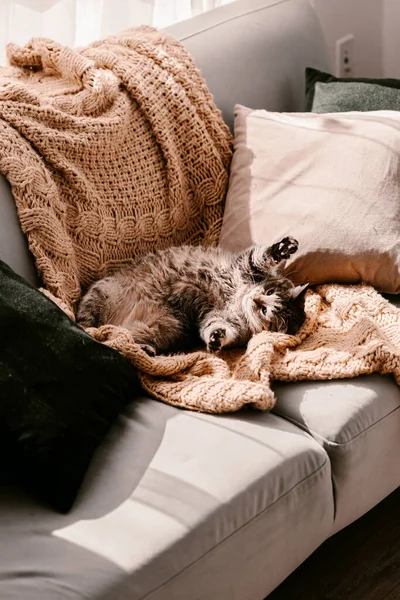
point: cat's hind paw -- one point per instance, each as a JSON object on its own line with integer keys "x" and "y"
{"x": 150, "y": 350}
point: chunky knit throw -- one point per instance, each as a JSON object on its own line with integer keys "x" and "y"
{"x": 117, "y": 149}
{"x": 112, "y": 151}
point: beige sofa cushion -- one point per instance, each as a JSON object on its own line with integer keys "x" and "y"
{"x": 331, "y": 181}
{"x": 357, "y": 422}
{"x": 176, "y": 506}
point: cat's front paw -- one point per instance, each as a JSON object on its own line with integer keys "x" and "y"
{"x": 216, "y": 340}
{"x": 284, "y": 249}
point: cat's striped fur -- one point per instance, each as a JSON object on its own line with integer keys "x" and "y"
{"x": 172, "y": 299}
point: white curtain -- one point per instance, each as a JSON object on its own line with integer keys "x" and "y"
{"x": 78, "y": 22}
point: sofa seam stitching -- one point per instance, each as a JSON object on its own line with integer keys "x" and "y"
{"x": 329, "y": 442}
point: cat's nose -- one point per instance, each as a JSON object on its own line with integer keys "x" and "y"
{"x": 257, "y": 300}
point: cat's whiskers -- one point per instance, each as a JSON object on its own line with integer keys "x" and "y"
{"x": 280, "y": 322}
{"x": 259, "y": 309}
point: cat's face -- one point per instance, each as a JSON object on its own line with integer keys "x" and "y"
{"x": 267, "y": 305}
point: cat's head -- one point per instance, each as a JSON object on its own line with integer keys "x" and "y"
{"x": 275, "y": 305}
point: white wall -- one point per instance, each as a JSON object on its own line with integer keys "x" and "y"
{"x": 364, "y": 19}
{"x": 391, "y": 38}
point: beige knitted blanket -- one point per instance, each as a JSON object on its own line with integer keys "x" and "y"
{"x": 117, "y": 149}
{"x": 112, "y": 151}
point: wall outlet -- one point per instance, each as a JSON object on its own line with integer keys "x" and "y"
{"x": 344, "y": 56}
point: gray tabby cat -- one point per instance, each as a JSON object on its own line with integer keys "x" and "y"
{"x": 170, "y": 299}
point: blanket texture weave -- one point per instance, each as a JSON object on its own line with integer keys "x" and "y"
{"x": 112, "y": 151}
{"x": 117, "y": 149}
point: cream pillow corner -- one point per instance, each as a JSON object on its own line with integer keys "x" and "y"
{"x": 329, "y": 180}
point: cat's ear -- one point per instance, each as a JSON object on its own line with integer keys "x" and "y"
{"x": 297, "y": 290}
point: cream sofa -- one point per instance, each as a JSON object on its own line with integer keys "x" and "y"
{"x": 186, "y": 506}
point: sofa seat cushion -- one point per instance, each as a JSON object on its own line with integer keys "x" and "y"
{"x": 184, "y": 506}
{"x": 357, "y": 422}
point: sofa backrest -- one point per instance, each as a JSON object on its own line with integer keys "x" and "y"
{"x": 251, "y": 52}
{"x": 254, "y": 52}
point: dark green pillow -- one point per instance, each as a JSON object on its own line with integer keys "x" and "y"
{"x": 60, "y": 391}
{"x": 328, "y": 94}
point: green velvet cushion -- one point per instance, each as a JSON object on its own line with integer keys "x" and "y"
{"x": 328, "y": 94}
{"x": 60, "y": 391}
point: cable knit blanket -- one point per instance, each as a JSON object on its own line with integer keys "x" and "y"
{"x": 112, "y": 151}
{"x": 117, "y": 149}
